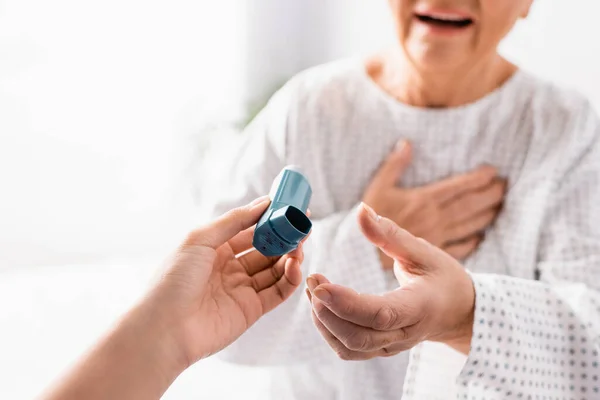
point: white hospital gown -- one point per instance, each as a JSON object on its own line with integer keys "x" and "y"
{"x": 537, "y": 273}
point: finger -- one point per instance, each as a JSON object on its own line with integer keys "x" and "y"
{"x": 298, "y": 253}
{"x": 242, "y": 241}
{"x": 268, "y": 276}
{"x": 228, "y": 225}
{"x": 342, "y": 351}
{"x": 473, "y": 203}
{"x": 472, "y": 227}
{"x": 281, "y": 290}
{"x": 315, "y": 280}
{"x": 274, "y": 270}
{"x": 454, "y": 186}
{"x": 355, "y": 337}
{"x": 462, "y": 250}
{"x": 293, "y": 271}
{"x": 394, "y": 241}
{"x": 389, "y": 312}
{"x": 395, "y": 164}
{"x": 254, "y": 262}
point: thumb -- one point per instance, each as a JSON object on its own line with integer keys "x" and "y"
{"x": 412, "y": 254}
{"x": 228, "y": 225}
{"x": 395, "y": 164}
{"x": 402, "y": 274}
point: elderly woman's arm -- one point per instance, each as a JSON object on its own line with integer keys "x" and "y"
{"x": 548, "y": 332}
{"x": 522, "y": 337}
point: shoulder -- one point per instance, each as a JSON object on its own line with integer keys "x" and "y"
{"x": 567, "y": 122}
{"x": 553, "y": 102}
{"x": 561, "y": 115}
{"x": 325, "y": 85}
{"x": 297, "y": 112}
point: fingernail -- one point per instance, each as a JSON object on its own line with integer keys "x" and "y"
{"x": 372, "y": 214}
{"x": 311, "y": 283}
{"x": 323, "y": 295}
{"x": 259, "y": 201}
{"x": 401, "y": 145}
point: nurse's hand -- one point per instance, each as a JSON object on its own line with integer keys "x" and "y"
{"x": 451, "y": 214}
{"x": 209, "y": 296}
{"x": 435, "y": 300}
{"x": 211, "y": 293}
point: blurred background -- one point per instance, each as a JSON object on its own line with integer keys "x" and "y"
{"x": 114, "y": 117}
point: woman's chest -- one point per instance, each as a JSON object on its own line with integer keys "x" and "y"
{"x": 342, "y": 164}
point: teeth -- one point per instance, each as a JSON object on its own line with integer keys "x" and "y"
{"x": 445, "y": 17}
{"x": 448, "y": 18}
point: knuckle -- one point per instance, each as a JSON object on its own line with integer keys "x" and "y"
{"x": 238, "y": 215}
{"x": 358, "y": 341}
{"x": 389, "y": 352}
{"x": 199, "y": 237}
{"x": 402, "y": 335}
{"x": 255, "y": 284}
{"x": 390, "y": 340}
{"x": 390, "y": 230}
{"x": 275, "y": 273}
{"x": 320, "y": 311}
{"x": 279, "y": 293}
{"x": 347, "y": 308}
{"x": 384, "y": 318}
{"x": 394, "y": 350}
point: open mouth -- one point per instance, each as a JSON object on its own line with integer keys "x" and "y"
{"x": 445, "y": 21}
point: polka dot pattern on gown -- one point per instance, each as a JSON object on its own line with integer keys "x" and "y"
{"x": 532, "y": 340}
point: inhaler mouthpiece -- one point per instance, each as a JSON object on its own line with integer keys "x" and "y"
{"x": 285, "y": 224}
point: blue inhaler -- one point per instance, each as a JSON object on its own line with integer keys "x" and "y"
{"x": 285, "y": 224}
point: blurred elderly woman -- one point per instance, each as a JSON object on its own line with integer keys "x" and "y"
{"x": 460, "y": 147}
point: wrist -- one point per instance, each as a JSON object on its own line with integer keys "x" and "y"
{"x": 458, "y": 316}
{"x": 157, "y": 339}
{"x": 463, "y": 332}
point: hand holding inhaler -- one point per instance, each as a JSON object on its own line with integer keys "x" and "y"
{"x": 212, "y": 291}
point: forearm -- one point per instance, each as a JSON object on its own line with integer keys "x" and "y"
{"x": 521, "y": 325}
{"x": 138, "y": 359}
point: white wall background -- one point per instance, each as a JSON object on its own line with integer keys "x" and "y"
{"x": 101, "y": 104}
{"x": 97, "y": 100}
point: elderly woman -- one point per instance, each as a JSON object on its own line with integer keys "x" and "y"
{"x": 437, "y": 134}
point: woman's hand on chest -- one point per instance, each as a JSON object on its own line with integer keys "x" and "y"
{"x": 451, "y": 214}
